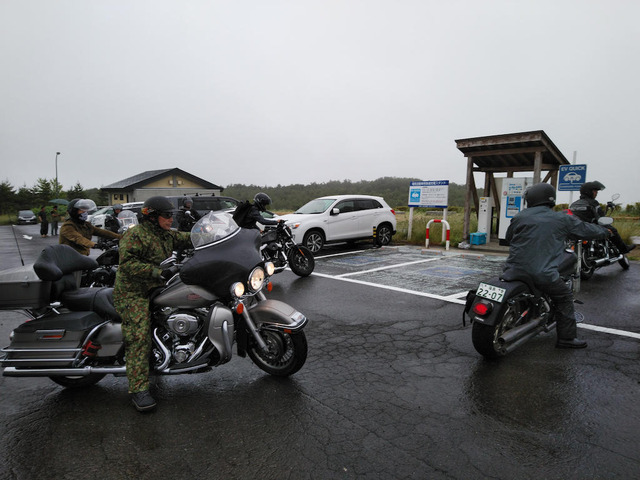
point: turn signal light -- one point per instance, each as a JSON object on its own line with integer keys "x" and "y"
{"x": 269, "y": 286}
{"x": 482, "y": 308}
{"x": 239, "y": 308}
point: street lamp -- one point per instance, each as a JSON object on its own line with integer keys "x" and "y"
{"x": 57, "y": 188}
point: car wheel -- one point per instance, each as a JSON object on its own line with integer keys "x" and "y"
{"x": 313, "y": 240}
{"x": 384, "y": 233}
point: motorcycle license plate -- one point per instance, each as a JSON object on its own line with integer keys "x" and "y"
{"x": 490, "y": 292}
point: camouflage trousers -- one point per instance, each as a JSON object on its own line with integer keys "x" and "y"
{"x": 136, "y": 329}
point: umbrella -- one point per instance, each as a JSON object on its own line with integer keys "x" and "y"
{"x": 59, "y": 201}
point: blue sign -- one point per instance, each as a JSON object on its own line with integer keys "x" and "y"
{"x": 429, "y": 194}
{"x": 570, "y": 177}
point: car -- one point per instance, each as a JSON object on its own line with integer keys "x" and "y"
{"x": 26, "y": 217}
{"x": 339, "y": 218}
{"x": 572, "y": 177}
{"x": 97, "y": 219}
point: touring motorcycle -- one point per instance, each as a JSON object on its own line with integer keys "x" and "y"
{"x": 595, "y": 254}
{"x": 279, "y": 247}
{"x": 214, "y": 299}
{"x": 507, "y": 311}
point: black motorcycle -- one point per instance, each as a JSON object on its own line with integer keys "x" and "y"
{"x": 507, "y": 311}
{"x": 279, "y": 247}
{"x": 214, "y": 300}
{"x": 595, "y": 254}
{"x": 104, "y": 275}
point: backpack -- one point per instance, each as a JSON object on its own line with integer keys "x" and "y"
{"x": 241, "y": 215}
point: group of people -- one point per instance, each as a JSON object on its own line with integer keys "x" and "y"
{"x": 43, "y": 218}
{"x": 536, "y": 236}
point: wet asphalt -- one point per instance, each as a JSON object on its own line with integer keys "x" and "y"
{"x": 392, "y": 389}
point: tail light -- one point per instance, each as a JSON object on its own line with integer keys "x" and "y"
{"x": 482, "y": 308}
{"x": 393, "y": 211}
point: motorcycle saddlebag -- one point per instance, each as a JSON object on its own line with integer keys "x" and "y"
{"x": 21, "y": 288}
{"x": 52, "y": 340}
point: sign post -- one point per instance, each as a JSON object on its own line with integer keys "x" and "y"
{"x": 428, "y": 194}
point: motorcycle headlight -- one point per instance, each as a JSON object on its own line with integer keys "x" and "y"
{"x": 270, "y": 268}
{"x": 237, "y": 289}
{"x": 256, "y": 279}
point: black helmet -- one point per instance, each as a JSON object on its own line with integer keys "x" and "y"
{"x": 587, "y": 188}
{"x": 540, "y": 194}
{"x": 154, "y": 206}
{"x": 262, "y": 201}
{"x": 186, "y": 200}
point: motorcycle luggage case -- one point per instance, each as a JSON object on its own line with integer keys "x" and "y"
{"x": 21, "y": 288}
{"x": 50, "y": 340}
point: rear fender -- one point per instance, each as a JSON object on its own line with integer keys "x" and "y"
{"x": 512, "y": 289}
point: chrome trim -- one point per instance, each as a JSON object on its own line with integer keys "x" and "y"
{"x": 165, "y": 351}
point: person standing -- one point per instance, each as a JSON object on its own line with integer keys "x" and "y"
{"x": 55, "y": 218}
{"x": 44, "y": 222}
{"x": 77, "y": 232}
{"x": 142, "y": 249}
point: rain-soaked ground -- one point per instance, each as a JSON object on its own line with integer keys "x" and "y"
{"x": 392, "y": 389}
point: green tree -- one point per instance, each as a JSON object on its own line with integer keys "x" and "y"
{"x": 43, "y": 190}
{"x": 7, "y": 198}
{"x": 76, "y": 192}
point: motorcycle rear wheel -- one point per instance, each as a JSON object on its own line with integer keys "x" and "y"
{"x": 301, "y": 261}
{"x": 78, "y": 381}
{"x": 485, "y": 337}
{"x": 287, "y": 352}
{"x": 587, "y": 267}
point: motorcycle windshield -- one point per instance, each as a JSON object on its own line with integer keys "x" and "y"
{"x": 212, "y": 228}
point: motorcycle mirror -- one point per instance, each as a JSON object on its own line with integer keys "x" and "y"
{"x": 615, "y": 196}
{"x": 604, "y": 221}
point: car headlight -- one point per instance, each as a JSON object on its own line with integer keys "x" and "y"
{"x": 256, "y": 279}
{"x": 293, "y": 226}
{"x": 237, "y": 289}
{"x": 270, "y": 268}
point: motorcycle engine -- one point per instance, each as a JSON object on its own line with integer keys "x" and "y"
{"x": 182, "y": 324}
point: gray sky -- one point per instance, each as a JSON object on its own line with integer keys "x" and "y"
{"x": 275, "y": 92}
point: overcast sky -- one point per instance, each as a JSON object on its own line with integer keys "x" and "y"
{"x": 272, "y": 92}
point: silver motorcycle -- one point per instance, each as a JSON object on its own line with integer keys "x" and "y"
{"x": 214, "y": 300}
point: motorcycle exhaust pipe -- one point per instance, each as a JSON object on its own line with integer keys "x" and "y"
{"x": 520, "y": 341}
{"x": 607, "y": 261}
{"x": 62, "y": 372}
{"x": 515, "y": 333}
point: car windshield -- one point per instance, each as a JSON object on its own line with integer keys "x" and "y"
{"x": 26, "y": 213}
{"x": 319, "y": 205}
{"x": 212, "y": 228}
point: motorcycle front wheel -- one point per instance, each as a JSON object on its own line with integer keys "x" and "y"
{"x": 301, "y": 261}
{"x": 287, "y": 352}
{"x": 78, "y": 381}
{"x": 624, "y": 262}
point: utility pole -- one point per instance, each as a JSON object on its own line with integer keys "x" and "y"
{"x": 57, "y": 187}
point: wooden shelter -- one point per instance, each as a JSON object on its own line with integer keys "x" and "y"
{"x": 507, "y": 153}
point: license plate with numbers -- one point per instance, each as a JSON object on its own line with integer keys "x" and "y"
{"x": 491, "y": 292}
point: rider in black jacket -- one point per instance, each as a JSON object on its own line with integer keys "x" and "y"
{"x": 260, "y": 203}
{"x": 536, "y": 239}
{"x": 588, "y": 209}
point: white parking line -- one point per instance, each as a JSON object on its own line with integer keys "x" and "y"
{"x": 612, "y": 331}
{"x": 362, "y": 272}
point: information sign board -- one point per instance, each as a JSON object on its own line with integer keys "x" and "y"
{"x": 570, "y": 177}
{"x": 429, "y": 194}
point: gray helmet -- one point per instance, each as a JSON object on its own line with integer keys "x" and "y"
{"x": 540, "y": 194}
{"x": 587, "y": 188}
{"x": 186, "y": 200}
{"x": 262, "y": 201}
{"x": 154, "y": 206}
{"x": 77, "y": 204}
{"x": 117, "y": 206}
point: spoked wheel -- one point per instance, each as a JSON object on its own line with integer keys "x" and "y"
{"x": 301, "y": 261}
{"x": 313, "y": 240}
{"x": 624, "y": 262}
{"x": 485, "y": 337}
{"x": 587, "y": 268}
{"x": 78, "y": 381}
{"x": 286, "y": 355}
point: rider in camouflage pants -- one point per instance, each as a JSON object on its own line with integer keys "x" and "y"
{"x": 142, "y": 249}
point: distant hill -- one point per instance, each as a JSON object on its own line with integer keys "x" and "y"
{"x": 289, "y": 197}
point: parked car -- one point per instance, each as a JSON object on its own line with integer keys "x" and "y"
{"x": 341, "y": 218}
{"x": 97, "y": 219}
{"x": 26, "y": 217}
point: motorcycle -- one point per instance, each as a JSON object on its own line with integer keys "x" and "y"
{"x": 507, "y": 311}
{"x": 279, "y": 247}
{"x": 105, "y": 274}
{"x": 596, "y": 254}
{"x": 214, "y": 299}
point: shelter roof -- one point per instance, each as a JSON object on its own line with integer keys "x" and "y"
{"x": 512, "y": 152}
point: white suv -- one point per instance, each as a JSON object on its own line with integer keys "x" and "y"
{"x": 340, "y": 218}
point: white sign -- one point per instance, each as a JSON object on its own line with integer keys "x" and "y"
{"x": 429, "y": 194}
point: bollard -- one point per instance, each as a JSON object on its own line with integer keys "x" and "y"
{"x": 437, "y": 220}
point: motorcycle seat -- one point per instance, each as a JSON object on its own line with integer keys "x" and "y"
{"x": 98, "y": 300}
{"x": 514, "y": 275}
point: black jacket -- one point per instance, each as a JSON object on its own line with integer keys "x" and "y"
{"x": 587, "y": 209}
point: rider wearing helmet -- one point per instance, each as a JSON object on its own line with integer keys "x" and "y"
{"x": 187, "y": 216}
{"x": 260, "y": 203}
{"x": 588, "y": 209}
{"x": 142, "y": 249}
{"x": 76, "y": 231}
{"x": 111, "y": 221}
{"x": 536, "y": 238}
